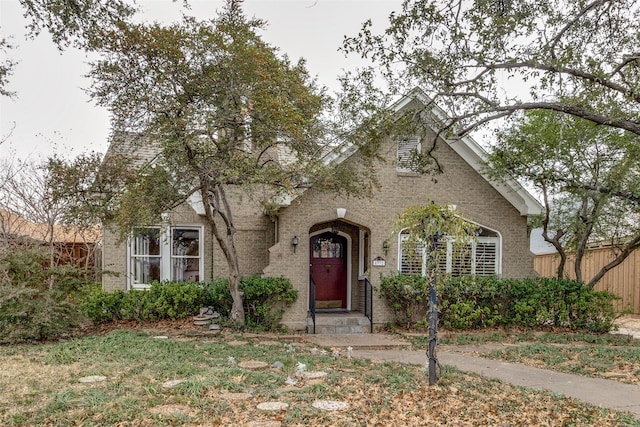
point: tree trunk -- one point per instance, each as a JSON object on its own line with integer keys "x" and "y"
{"x": 628, "y": 250}
{"x": 218, "y": 206}
{"x": 555, "y": 241}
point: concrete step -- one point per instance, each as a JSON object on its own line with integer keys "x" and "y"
{"x": 339, "y": 323}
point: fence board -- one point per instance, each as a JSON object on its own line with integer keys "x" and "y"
{"x": 624, "y": 280}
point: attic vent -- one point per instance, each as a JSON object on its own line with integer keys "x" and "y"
{"x": 406, "y": 149}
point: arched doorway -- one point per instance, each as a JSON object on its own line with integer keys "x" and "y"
{"x": 329, "y": 270}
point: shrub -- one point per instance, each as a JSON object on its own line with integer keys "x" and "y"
{"x": 265, "y": 299}
{"x": 407, "y": 295}
{"x": 36, "y": 301}
{"x": 217, "y": 294}
{"x": 175, "y": 300}
{"x": 28, "y": 314}
{"x": 473, "y": 302}
{"x": 101, "y": 306}
{"x": 170, "y": 300}
{"x": 29, "y": 266}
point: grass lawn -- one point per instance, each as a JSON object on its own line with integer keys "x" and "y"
{"x": 39, "y": 385}
{"x": 613, "y": 357}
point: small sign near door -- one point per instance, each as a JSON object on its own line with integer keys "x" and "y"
{"x": 379, "y": 262}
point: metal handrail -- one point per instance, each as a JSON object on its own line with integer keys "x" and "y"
{"x": 312, "y": 302}
{"x": 368, "y": 301}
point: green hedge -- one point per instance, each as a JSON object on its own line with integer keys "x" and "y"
{"x": 473, "y": 302}
{"x": 37, "y": 302}
{"x": 264, "y": 301}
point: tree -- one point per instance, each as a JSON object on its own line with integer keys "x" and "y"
{"x": 486, "y": 59}
{"x": 570, "y": 160}
{"x": 77, "y": 22}
{"x": 426, "y": 228}
{"x": 225, "y": 113}
{"x": 6, "y": 68}
{"x": 32, "y": 218}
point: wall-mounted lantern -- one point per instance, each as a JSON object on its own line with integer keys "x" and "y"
{"x": 385, "y": 247}
{"x": 294, "y": 242}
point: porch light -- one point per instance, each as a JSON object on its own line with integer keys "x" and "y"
{"x": 341, "y": 212}
{"x": 294, "y": 243}
{"x": 385, "y": 247}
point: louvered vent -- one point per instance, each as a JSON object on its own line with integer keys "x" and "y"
{"x": 406, "y": 148}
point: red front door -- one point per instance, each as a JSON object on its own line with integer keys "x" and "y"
{"x": 329, "y": 270}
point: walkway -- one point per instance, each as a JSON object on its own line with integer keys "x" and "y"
{"x": 600, "y": 392}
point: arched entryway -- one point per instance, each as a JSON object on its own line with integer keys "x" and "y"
{"x": 329, "y": 263}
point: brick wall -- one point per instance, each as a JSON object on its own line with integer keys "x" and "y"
{"x": 260, "y": 250}
{"x": 254, "y": 235}
{"x": 474, "y": 197}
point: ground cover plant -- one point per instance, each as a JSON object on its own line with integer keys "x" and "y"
{"x": 40, "y": 385}
{"x": 614, "y": 357}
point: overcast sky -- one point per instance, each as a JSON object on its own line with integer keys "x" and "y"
{"x": 52, "y": 114}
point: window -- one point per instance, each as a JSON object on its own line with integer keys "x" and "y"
{"x": 327, "y": 248}
{"x": 411, "y": 256}
{"x": 185, "y": 255}
{"x": 145, "y": 256}
{"x": 480, "y": 257}
{"x": 407, "y": 149}
{"x": 165, "y": 253}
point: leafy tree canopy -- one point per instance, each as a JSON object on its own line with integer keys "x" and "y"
{"x": 75, "y": 21}
{"x": 486, "y": 59}
{"x": 222, "y": 113}
{"x": 588, "y": 176}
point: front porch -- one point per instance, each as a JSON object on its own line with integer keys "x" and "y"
{"x": 340, "y": 295}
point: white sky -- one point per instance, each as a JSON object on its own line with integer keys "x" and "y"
{"x": 52, "y": 114}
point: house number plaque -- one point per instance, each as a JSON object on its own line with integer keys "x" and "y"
{"x": 379, "y": 262}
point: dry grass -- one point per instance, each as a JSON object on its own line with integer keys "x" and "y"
{"x": 39, "y": 386}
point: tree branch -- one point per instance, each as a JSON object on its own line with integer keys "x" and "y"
{"x": 574, "y": 110}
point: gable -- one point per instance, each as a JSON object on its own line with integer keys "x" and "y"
{"x": 475, "y": 156}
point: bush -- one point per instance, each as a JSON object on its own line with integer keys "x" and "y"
{"x": 473, "y": 302}
{"x": 28, "y": 266}
{"x": 408, "y": 297}
{"x": 170, "y": 300}
{"x": 101, "y": 306}
{"x": 217, "y": 294}
{"x": 265, "y": 300}
{"x": 36, "y": 301}
{"x": 28, "y": 314}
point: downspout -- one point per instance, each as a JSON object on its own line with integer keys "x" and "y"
{"x": 212, "y": 243}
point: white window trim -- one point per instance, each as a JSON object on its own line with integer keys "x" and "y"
{"x": 449, "y": 260}
{"x": 166, "y": 235}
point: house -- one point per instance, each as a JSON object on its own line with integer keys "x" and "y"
{"x": 70, "y": 245}
{"x": 333, "y": 248}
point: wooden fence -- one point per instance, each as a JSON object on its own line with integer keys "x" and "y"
{"x": 623, "y": 280}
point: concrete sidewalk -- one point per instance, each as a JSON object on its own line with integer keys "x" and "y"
{"x": 385, "y": 347}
